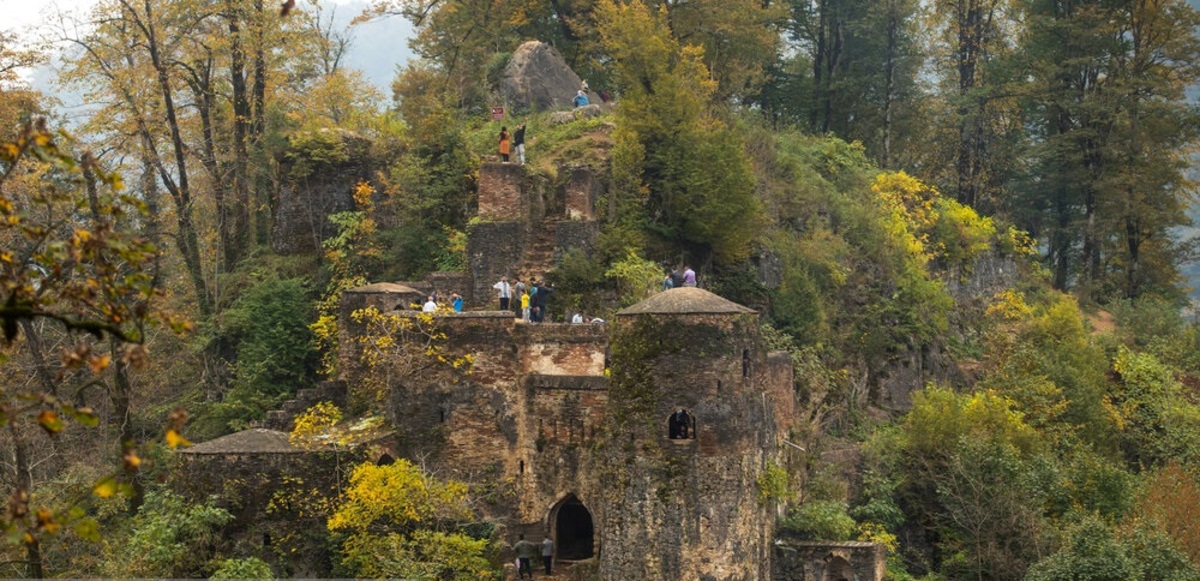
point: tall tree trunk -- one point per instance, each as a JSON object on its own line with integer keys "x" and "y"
{"x": 187, "y": 239}
{"x": 24, "y": 480}
{"x": 889, "y": 72}
{"x": 240, "y": 211}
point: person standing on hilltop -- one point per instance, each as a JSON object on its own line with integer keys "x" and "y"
{"x": 519, "y": 144}
{"x": 504, "y": 144}
{"x": 580, "y": 100}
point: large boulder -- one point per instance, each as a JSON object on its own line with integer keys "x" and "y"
{"x": 538, "y": 79}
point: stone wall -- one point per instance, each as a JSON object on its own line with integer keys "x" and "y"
{"x": 796, "y": 560}
{"x": 576, "y": 234}
{"x": 686, "y": 509}
{"x": 501, "y": 192}
{"x": 493, "y": 249}
{"x": 582, "y": 189}
{"x": 316, "y": 188}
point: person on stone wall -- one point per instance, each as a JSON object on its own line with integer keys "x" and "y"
{"x": 548, "y": 553}
{"x": 689, "y": 276}
{"x": 518, "y": 288}
{"x": 668, "y": 282}
{"x": 504, "y": 144}
{"x": 519, "y": 144}
{"x": 430, "y": 305}
{"x": 541, "y": 301}
{"x": 525, "y": 551}
{"x": 525, "y": 306}
{"x": 456, "y": 301}
{"x": 679, "y": 426}
{"x": 505, "y": 292}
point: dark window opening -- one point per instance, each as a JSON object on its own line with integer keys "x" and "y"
{"x": 574, "y": 534}
{"x": 838, "y": 569}
{"x": 745, "y": 363}
{"x": 681, "y": 425}
{"x": 266, "y": 539}
{"x": 385, "y": 460}
{"x": 522, "y": 467}
{"x": 442, "y": 416}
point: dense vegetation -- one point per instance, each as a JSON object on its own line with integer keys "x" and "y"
{"x": 992, "y": 189}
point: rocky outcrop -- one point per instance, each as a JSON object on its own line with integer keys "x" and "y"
{"x": 538, "y": 79}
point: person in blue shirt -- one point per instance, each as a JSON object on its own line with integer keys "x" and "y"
{"x": 456, "y": 301}
{"x": 580, "y": 99}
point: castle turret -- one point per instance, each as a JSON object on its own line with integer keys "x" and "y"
{"x": 690, "y": 429}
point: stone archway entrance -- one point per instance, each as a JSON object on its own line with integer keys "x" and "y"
{"x": 574, "y": 533}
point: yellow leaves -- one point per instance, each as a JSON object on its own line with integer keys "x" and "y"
{"x": 175, "y": 439}
{"x": 1009, "y": 305}
{"x": 316, "y": 423}
{"x": 130, "y": 460}
{"x": 395, "y": 495}
{"x": 105, "y": 488}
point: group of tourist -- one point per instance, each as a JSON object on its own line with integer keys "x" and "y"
{"x": 677, "y": 278}
{"x": 510, "y": 144}
{"x": 432, "y": 305}
{"x": 529, "y": 303}
{"x": 527, "y": 551}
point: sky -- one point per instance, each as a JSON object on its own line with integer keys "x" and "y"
{"x": 378, "y": 46}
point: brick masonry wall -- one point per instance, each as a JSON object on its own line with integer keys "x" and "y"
{"x": 582, "y": 188}
{"x": 501, "y": 192}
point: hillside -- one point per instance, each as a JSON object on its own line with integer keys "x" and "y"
{"x": 938, "y": 331}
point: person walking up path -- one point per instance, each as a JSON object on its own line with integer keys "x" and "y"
{"x": 525, "y": 551}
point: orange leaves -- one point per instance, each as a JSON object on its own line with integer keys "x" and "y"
{"x": 50, "y": 421}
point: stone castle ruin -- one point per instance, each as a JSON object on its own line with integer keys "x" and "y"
{"x": 639, "y": 445}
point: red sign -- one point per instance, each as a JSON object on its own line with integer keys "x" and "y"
{"x": 497, "y": 113}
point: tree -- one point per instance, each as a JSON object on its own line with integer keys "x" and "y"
{"x": 71, "y": 267}
{"x": 695, "y": 172}
{"x": 1111, "y": 128}
{"x": 402, "y": 523}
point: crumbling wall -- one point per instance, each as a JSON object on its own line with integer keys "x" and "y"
{"x": 320, "y": 171}
{"x": 796, "y": 560}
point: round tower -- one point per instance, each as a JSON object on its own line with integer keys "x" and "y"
{"x": 689, "y": 432}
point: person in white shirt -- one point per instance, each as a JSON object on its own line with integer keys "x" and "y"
{"x": 430, "y": 306}
{"x": 505, "y": 291}
{"x": 577, "y": 319}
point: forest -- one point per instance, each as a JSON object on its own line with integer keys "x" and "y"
{"x": 997, "y": 191}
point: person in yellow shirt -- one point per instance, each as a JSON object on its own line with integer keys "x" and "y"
{"x": 525, "y": 306}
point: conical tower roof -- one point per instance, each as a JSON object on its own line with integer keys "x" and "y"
{"x": 685, "y": 301}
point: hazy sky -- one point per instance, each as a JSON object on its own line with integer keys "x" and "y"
{"x": 379, "y": 46}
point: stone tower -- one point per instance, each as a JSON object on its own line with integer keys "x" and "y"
{"x": 681, "y": 499}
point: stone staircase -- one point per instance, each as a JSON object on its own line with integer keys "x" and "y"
{"x": 282, "y": 419}
{"x": 538, "y": 256}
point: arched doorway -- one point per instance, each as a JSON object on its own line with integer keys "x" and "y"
{"x": 574, "y": 534}
{"x": 839, "y": 569}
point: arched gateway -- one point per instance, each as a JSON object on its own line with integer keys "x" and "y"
{"x": 574, "y": 533}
